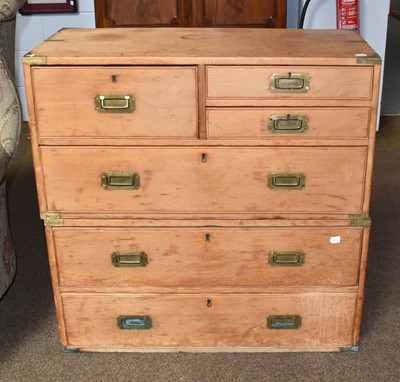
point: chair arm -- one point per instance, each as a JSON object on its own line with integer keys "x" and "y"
{"x": 10, "y": 115}
{"x": 9, "y": 8}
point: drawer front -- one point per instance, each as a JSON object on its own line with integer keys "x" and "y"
{"x": 208, "y": 257}
{"x": 205, "y": 321}
{"x": 293, "y": 123}
{"x": 164, "y": 104}
{"x": 322, "y": 82}
{"x": 208, "y": 180}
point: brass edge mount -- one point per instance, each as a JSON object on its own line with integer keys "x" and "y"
{"x": 352, "y": 349}
{"x": 369, "y": 60}
{"x": 360, "y": 220}
{"x": 70, "y": 350}
{"x": 52, "y": 219}
{"x": 31, "y": 58}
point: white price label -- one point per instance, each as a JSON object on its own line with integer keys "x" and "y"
{"x": 335, "y": 239}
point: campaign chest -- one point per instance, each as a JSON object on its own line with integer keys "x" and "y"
{"x": 205, "y": 189}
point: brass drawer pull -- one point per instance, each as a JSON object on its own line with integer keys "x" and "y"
{"x": 286, "y": 181}
{"x": 120, "y": 180}
{"x": 289, "y": 83}
{"x": 288, "y": 124}
{"x": 286, "y": 259}
{"x": 129, "y": 259}
{"x": 134, "y": 322}
{"x": 115, "y": 103}
{"x": 284, "y": 322}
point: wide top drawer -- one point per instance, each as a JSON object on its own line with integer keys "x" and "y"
{"x": 116, "y": 101}
{"x": 295, "y": 82}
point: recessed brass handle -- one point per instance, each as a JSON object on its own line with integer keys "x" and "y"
{"x": 288, "y": 123}
{"x": 289, "y": 83}
{"x": 284, "y": 322}
{"x": 120, "y": 180}
{"x": 115, "y": 103}
{"x": 129, "y": 259}
{"x": 286, "y": 259}
{"x": 134, "y": 322}
{"x": 286, "y": 181}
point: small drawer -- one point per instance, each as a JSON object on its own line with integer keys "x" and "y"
{"x": 289, "y": 82}
{"x": 172, "y": 321}
{"x": 204, "y": 180}
{"x": 294, "y": 123}
{"x": 204, "y": 257}
{"x": 116, "y": 102}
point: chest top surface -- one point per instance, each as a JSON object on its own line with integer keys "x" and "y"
{"x": 191, "y": 46}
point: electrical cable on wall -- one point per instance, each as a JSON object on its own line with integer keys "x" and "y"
{"x": 303, "y": 14}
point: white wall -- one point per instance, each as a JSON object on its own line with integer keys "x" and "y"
{"x": 293, "y": 8}
{"x": 33, "y": 30}
{"x": 321, "y": 14}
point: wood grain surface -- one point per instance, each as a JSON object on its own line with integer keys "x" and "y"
{"x": 165, "y": 98}
{"x": 208, "y": 256}
{"x": 231, "y": 180}
{"x": 187, "y": 320}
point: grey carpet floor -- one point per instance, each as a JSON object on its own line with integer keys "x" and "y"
{"x": 30, "y": 348}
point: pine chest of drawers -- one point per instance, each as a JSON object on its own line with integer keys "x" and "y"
{"x": 203, "y": 189}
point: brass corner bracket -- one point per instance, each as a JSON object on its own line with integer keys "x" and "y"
{"x": 352, "y": 349}
{"x": 360, "y": 220}
{"x": 70, "y": 350}
{"x": 52, "y": 219}
{"x": 369, "y": 60}
{"x": 31, "y": 58}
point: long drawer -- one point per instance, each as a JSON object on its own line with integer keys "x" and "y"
{"x": 208, "y": 257}
{"x": 293, "y": 123}
{"x": 204, "y": 180}
{"x": 209, "y": 321}
{"x": 161, "y": 101}
{"x": 289, "y": 82}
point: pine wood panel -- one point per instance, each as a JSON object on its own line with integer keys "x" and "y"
{"x": 201, "y": 70}
{"x": 231, "y": 180}
{"x": 361, "y": 285}
{"x": 203, "y": 220}
{"x": 55, "y": 281}
{"x": 203, "y": 142}
{"x": 34, "y": 142}
{"x": 111, "y": 219}
{"x": 325, "y": 82}
{"x": 323, "y": 123}
{"x": 372, "y": 137}
{"x": 322, "y": 349}
{"x": 189, "y": 78}
{"x": 182, "y": 46}
{"x": 235, "y": 257}
{"x": 282, "y": 102}
{"x": 65, "y": 109}
{"x": 231, "y": 321}
{"x": 182, "y": 289}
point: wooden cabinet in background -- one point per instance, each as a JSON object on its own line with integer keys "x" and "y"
{"x": 188, "y": 13}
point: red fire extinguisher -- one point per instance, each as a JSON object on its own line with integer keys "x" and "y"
{"x": 347, "y": 14}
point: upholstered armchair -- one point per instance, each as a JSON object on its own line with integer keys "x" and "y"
{"x": 10, "y": 128}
